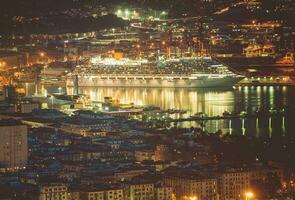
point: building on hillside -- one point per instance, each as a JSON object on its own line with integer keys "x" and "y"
{"x": 53, "y": 191}
{"x": 13, "y": 144}
{"x": 188, "y": 184}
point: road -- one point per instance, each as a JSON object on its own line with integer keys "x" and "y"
{"x": 224, "y": 10}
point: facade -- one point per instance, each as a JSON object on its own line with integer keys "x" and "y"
{"x": 26, "y": 107}
{"x": 163, "y": 193}
{"x": 74, "y": 194}
{"x": 114, "y": 194}
{"x": 163, "y": 152}
{"x": 135, "y": 191}
{"x": 53, "y": 192}
{"x": 190, "y": 186}
{"x": 229, "y": 183}
{"x": 233, "y": 184}
{"x": 261, "y": 173}
{"x": 10, "y": 93}
{"x": 13, "y": 145}
{"x": 141, "y": 155}
{"x": 139, "y": 191}
{"x": 102, "y": 194}
{"x": 92, "y": 195}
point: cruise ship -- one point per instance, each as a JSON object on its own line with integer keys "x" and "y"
{"x": 173, "y": 73}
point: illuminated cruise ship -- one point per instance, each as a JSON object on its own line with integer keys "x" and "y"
{"x": 173, "y": 73}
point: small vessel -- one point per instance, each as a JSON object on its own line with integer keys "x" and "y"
{"x": 267, "y": 61}
{"x": 286, "y": 61}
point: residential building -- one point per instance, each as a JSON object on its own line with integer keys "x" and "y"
{"x": 53, "y": 191}
{"x": 13, "y": 144}
{"x": 114, "y": 194}
{"x": 92, "y": 194}
{"x": 102, "y": 193}
{"x": 163, "y": 192}
{"x": 187, "y": 183}
{"x": 163, "y": 152}
{"x": 139, "y": 191}
{"x": 26, "y": 107}
{"x": 233, "y": 183}
{"x": 144, "y": 154}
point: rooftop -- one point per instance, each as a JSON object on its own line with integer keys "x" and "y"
{"x": 10, "y": 122}
{"x": 101, "y": 188}
{"x": 191, "y": 174}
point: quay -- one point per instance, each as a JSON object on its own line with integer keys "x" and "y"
{"x": 196, "y": 118}
{"x": 267, "y": 81}
{"x": 203, "y": 117}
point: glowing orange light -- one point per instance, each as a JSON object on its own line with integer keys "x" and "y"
{"x": 249, "y": 195}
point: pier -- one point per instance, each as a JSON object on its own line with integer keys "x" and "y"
{"x": 267, "y": 81}
{"x": 202, "y": 117}
{"x": 196, "y": 118}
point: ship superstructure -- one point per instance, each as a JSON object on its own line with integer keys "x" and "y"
{"x": 182, "y": 72}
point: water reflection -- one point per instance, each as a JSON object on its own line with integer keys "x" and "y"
{"x": 211, "y": 102}
{"x": 207, "y": 101}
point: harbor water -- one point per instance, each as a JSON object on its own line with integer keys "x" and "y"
{"x": 213, "y": 102}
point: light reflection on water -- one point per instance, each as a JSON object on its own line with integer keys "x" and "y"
{"x": 212, "y": 102}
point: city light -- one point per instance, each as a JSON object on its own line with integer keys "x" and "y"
{"x": 119, "y": 12}
{"x": 135, "y": 87}
{"x": 2, "y": 64}
{"x": 190, "y": 197}
{"x": 249, "y": 195}
{"x": 127, "y": 12}
{"x": 59, "y": 90}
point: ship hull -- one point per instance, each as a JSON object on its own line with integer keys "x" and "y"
{"x": 156, "y": 83}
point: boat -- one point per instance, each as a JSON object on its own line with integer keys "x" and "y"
{"x": 286, "y": 61}
{"x": 192, "y": 72}
{"x": 260, "y": 62}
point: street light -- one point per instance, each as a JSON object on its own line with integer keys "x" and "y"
{"x": 2, "y": 64}
{"x": 190, "y": 198}
{"x": 127, "y": 13}
{"x": 249, "y": 195}
{"x": 59, "y": 90}
{"x": 119, "y": 12}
